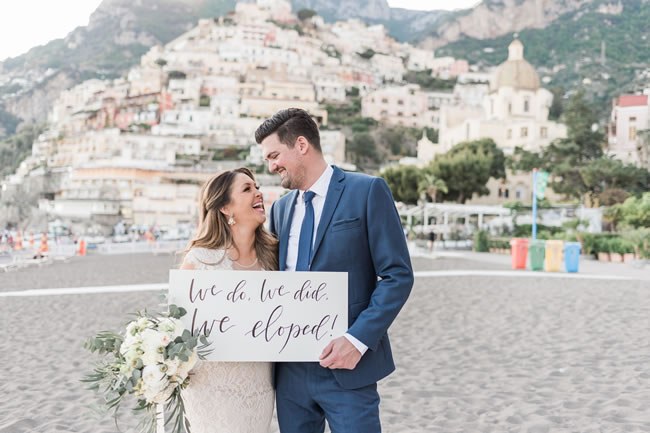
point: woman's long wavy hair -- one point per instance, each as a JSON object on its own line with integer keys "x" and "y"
{"x": 214, "y": 232}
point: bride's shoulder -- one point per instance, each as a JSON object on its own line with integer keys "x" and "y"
{"x": 204, "y": 256}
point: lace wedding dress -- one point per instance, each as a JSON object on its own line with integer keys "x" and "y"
{"x": 227, "y": 397}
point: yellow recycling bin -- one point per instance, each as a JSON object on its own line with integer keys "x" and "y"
{"x": 553, "y": 257}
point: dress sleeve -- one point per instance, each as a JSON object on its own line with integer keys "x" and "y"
{"x": 192, "y": 259}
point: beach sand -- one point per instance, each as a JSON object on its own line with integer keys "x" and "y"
{"x": 473, "y": 353}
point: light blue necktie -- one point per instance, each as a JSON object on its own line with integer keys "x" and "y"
{"x": 306, "y": 233}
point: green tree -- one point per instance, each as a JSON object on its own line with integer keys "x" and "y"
{"x": 583, "y": 144}
{"x": 363, "y": 148}
{"x": 557, "y": 107}
{"x": 635, "y": 212}
{"x": 605, "y": 173}
{"x": 368, "y": 54}
{"x": 305, "y": 14}
{"x": 467, "y": 167}
{"x": 430, "y": 185}
{"x": 403, "y": 182}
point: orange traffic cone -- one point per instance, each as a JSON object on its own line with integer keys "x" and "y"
{"x": 44, "y": 247}
{"x": 18, "y": 245}
{"x": 82, "y": 247}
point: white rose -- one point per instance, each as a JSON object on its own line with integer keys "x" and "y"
{"x": 154, "y": 381}
{"x": 172, "y": 366}
{"x": 143, "y": 323}
{"x": 173, "y": 327}
{"x": 153, "y": 345}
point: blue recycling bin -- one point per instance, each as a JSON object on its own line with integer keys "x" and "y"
{"x": 572, "y": 256}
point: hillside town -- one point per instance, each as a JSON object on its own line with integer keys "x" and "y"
{"x": 135, "y": 150}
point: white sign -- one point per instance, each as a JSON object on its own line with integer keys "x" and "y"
{"x": 260, "y": 315}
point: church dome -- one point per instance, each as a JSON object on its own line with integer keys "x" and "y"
{"x": 516, "y": 72}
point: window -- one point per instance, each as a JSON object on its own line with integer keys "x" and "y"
{"x": 632, "y": 133}
{"x": 632, "y": 119}
{"x": 519, "y": 193}
{"x": 400, "y": 114}
{"x": 400, "y": 102}
{"x": 524, "y": 132}
{"x": 526, "y": 105}
{"x": 509, "y": 108}
{"x": 543, "y": 132}
{"x": 384, "y": 100}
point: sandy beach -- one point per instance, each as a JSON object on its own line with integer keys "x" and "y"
{"x": 476, "y": 351}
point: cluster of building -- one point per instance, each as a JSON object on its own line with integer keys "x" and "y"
{"x": 137, "y": 149}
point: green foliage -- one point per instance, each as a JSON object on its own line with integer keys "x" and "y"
{"x": 427, "y": 82}
{"x": 204, "y": 101}
{"x": 525, "y": 230}
{"x": 602, "y": 174}
{"x": 430, "y": 186}
{"x": 177, "y": 75}
{"x": 640, "y": 238}
{"x": 467, "y": 167}
{"x": 363, "y": 149}
{"x": 305, "y": 14}
{"x": 635, "y": 212}
{"x": 346, "y": 113}
{"x": 612, "y": 196}
{"x": 399, "y": 140}
{"x": 481, "y": 241}
{"x": 17, "y": 147}
{"x": 403, "y": 182}
{"x": 331, "y": 51}
{"x": 8, "y": 123}
{"x": 368, "y": 54}
{"x": 557, "y": 107}
{"x": 524, "y": 160}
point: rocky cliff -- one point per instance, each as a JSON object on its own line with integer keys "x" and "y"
{"x": 494, "y": 18}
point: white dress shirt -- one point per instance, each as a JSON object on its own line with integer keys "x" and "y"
{"x": 320, "y": 188}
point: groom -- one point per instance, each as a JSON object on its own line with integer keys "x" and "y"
{"x": 334, "y": 221}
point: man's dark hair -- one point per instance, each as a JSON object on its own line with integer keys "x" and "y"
{"x": 290, "y": 124}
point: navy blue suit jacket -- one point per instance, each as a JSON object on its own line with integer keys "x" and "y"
{"x": 360, "y": 233}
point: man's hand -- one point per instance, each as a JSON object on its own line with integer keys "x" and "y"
{"x": 340, "y": 353}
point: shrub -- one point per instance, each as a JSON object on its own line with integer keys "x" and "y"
{"x": 481, "y": 241}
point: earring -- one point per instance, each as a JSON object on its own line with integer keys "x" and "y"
{"x": 231, "y": 221}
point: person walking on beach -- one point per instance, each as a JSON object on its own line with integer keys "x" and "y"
{"x": 232, "y": 397}
{"x": 337, "y": 222}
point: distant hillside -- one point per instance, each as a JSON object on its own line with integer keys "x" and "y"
{"x": 403, "y": 24}
{"x": 568, "y": 51}
{"x": 118, "y": 33}
{"x": 494, "y": 18}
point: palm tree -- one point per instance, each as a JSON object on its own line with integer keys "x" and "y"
{"x": 430, "y": 185}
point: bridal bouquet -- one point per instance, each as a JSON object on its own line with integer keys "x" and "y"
{"x": 150, "y": 360}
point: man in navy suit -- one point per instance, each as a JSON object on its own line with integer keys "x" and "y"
{"x": 333, "y": 221}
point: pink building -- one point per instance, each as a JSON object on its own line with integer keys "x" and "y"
{"x": 630, "y": 115}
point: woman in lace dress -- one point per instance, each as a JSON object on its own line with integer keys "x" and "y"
{"x": 231, "y": 397}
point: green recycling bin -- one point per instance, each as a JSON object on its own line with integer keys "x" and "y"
{"x": 536, "y": 252}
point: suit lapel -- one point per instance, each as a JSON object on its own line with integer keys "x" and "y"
{"x": 334, "y": 193}
{"x": 285, "y": 228}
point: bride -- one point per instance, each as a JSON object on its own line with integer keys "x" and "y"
{"x": 231, "y": 397}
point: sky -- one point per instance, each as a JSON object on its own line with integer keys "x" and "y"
{"x": 28, "y": 23}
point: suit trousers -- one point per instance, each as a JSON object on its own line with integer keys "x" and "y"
{"x": 308, "y": 394}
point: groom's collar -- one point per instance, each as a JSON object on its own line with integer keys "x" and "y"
{"x": 321, "y": 186}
